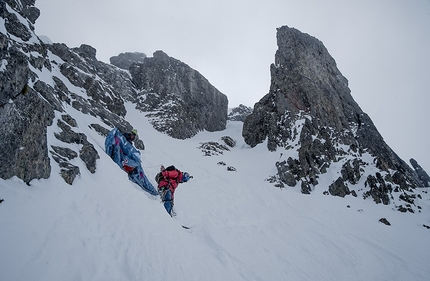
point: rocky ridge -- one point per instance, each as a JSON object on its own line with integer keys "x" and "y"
{"x": 239, "y": 113}
{"x": 41, "y": 83}
{"x": 422, "y": 175}
{"x": 125, "y": 60}
{"x": 310, "y": 116}
{"x": 178, "y": 99}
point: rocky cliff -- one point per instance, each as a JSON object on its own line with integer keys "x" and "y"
{"x": 239, "y": 113}
{"x": 179, "y": 100}
{"x": 43, "y": 85}
{"x": 310, "y": 116}
{"x": 125, "y": 60}
{"x": 23, "y": 114}
{"x": 422, "y": 175}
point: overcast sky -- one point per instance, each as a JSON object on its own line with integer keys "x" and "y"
{"x": 381, "y": 46}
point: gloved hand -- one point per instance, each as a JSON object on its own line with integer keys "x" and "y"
{"x": 186, "y": 177}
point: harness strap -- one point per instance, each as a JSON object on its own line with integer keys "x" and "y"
{"x": 162, "y": 191}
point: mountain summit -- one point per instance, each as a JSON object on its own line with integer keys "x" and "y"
{"x": 311, "y": 117}
{"x": 180, "y": 101}
{"x": 68, "y": 212}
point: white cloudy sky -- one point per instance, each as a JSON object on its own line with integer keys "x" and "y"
{"x": 380, "y": 46}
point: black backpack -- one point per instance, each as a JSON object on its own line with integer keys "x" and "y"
{"x": 171, "y": 168}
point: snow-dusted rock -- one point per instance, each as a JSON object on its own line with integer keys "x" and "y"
{"x": 180, "y": 100}
{"x": 310, "y": 114}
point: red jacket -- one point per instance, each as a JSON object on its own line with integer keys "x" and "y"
{"x": 170, "y": 179}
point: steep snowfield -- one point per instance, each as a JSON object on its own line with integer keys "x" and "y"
{"x": 104, "y": 227}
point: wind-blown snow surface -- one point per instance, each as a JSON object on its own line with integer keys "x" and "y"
{"x": 104, "y": 227}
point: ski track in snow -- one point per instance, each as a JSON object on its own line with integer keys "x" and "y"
{"x": 104, "y": 227}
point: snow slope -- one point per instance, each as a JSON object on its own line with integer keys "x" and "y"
{"x": 104, "y": 227}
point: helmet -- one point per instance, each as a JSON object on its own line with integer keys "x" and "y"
{"x": 134, "y": 131}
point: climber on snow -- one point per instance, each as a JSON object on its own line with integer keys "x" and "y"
{"x": 120, "y": 148}
{"x": 130, "y": 137}
{"x": 168, "y": 180}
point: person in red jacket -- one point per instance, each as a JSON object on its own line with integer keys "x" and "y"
{"x": 168, "y": 180}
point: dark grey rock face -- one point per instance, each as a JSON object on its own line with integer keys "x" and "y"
{"x": 339, "y": 188}
{"x": 125, "y": 60}
{"x": 13, "y": 24}
{"x": 23, "y": 136}
{"x": 309, "y": 110}
{"x": 239, "y": 113}
{"x": 379, "y": 189}
{"x": 40, "y": 84}
{"x": 305, "y": 80}
{"x": 62, "y": 156}
{"x": 23, "y": 114}
{"x": 87, "y": 153}
{"x": 82, "y": 73}
{"x": 180, "y": 101}
{"x": 28, "y": 104}
{"x": 15, "y": 70}
{"x": 422, "y": 175}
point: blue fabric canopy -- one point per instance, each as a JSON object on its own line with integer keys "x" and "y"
{"x": 127, "y": 157}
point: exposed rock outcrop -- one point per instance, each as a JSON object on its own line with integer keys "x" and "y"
{"x": 24, "y": 115}
{"x": 179, "y": 100}
{"x": 125, "y": 60}
{"x": 239, "y": 113}
{"x": 28, "y": 104}
{"x": 310, "y": 113}
{"x": 422, "y": 175}
{"x": 41, "y": 82}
